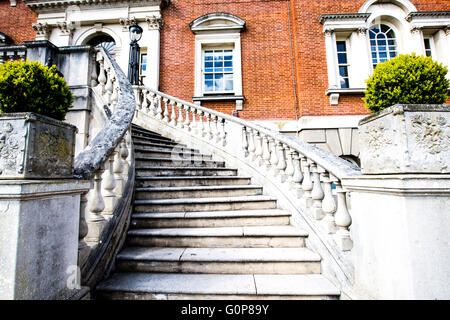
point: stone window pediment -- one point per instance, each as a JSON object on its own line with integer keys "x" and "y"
{"x": 217, "y": 21}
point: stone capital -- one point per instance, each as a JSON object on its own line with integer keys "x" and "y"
{"x": 447, "y": 30}
{"x": 362, "y": 31}
{"x": 328, "y": 31}
{"x": 416, "y": 28}
{"x": 126, "y": 22}
{"x": 42, "y": 30}
{"x": 154, "y": 23}
{"x": 65, "y": 28}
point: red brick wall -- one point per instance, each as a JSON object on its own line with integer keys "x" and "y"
{"x": 266, "y": 54}
{"x": 16, "y": 21}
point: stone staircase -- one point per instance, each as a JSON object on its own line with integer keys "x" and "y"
{"x": 200, "y": 231}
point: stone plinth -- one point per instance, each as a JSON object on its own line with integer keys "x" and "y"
{"x": 406, "y": 139}
{"x": 400, "y": 231}
{"x": 35, "y": 147}
{"x": 39, "y": 223}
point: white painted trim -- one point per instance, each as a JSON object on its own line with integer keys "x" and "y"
{"x": 401, "y": 3}
{"x": 90, "y": 33}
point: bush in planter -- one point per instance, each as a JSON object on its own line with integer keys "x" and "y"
{"x": 31, "y": 87}
{"x": 406, "y": 79}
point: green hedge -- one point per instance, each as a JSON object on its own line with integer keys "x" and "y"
{"x": 406, "y": 79}
{"x": 31, "y": 87}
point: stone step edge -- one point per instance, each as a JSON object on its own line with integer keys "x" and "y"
{"x": 229, "y": 214}
{"x": 265, "y": 255}
{"x": 220, "y": 232}
{"x": 198, "y": 188}
{"x": 180, "y": 160}
{"x": 181, "y": 168}
{"x": 207, "y": 200}
{"x": 191, "y": 177}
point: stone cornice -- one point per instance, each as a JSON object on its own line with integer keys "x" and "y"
{"x": 36, "y": 4}
{"x": 344, "y": 16}
{"x": 427, "y": 14}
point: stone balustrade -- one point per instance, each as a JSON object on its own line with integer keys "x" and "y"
{"x": 12, "y": 53}
{"x": 108, "y": 161}
{"x": 313, "y": 176}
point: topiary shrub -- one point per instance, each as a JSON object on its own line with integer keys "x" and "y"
{"x": 31, "y": 87}
{"x": 406, "y": 79}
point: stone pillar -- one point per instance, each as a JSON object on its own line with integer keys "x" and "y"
{"x": 39, "y": 221}
{"x": 330, "y": 44}
{"x": 400, "y": 206}
{"x": 360, "y": 69}
{"x": 417, "y": 44}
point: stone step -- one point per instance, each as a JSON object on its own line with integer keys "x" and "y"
{"x": 157, "y": 171}
{"x": 163, "y": 147}
{"x": 203, "y": 219}
{"x": 197, "y": 192}
{"x": 168, "y": 162}
{"x": 231, "y": 237}
{"x": 166, "y": 142}
{"x": 219, "y": 260}
{"x": 185, "y": 181}
{"x": 172, "y": 286}
{"x": 141, "y": 133}
{"x": 205, "y": 204}
{"x": 176, "y": 153}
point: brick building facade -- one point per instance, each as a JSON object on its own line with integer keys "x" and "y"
{"x": 286, "y": 68}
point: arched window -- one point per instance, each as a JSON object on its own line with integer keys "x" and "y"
{"x": 383, "y": 44}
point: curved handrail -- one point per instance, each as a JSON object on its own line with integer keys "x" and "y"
{"x": 100, "y": 148}
{"x": 340, "y": 168}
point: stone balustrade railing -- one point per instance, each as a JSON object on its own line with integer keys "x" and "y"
{"x": 109, "y": 162}
{"x": 12, "y": 53}
{"x": 312, "y": 175}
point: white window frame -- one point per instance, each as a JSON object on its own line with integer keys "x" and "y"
{"x": 348, "y": 64}
{"x": 432, "y": 47}
{"x": 214, "y": 48}
{"x": 397, "y": 35}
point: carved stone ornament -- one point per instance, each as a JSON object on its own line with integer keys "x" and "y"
{"x": 35, "y": 147}
{"x": 154, "y": 23}
{"x": 406, "y": 139}
{"x": 42, "y": 30}
{"x": 66, "y": 29}
{"x": 126, "y": 22}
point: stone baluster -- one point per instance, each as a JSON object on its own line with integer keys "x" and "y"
{"x": 159, "y": 110}
{"x": 343, "y": 219}
{"x": 216, "y": 128}
{"x": 152, "y": 110}
{"x": 96, "y": 222}
{"x": 317, "y": 192}
{"x": 297, "y": 177}
{"x": 194, "y": 121}
{"x": 258, "y": 148}
{"x": 166, "y": 110}
{"x": 101, "y": 73}
{"x": 109, "y": 183}
{"x": 144, "y": 100}
{"x": 266, "y": 151}
{"x": 129, "y": 146}
{"x": 223, "y": 133}
{"x": 201, "y": 127}
{"x": 187, "y": 121}
{"x": 208, "y": 131}
{"x": 115, "y": 94}
{"x": 273, "y": 156}
{"x": 328, "y": 204}
{"x": 307, "y": 184}
{"x": 137, "y": 96}
{"x": 289, "y": 171}
{"x": 109, "y": 84}
{"x": 180, "y": 115}
{"x": 124, "y": 155}
{"x": 245, "y": 141}
{"x": 94, "y": 76}
{"x": 173, "y": 114}
{"x": 118, "y": 171}
{"x": 251, "y": 144}
{"x": 281, "y": 162}
{"x": 83, "y": 248}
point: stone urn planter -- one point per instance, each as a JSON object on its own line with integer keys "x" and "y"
{"x": 33, "y": 146}
{"x": 406, "y": 139}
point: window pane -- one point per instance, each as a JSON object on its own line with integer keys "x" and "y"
{"x": 342, "y": 58}
{"x": 208, "y": 85}
{"x": 208, "y": 64}
{"x": 209, "y": 76}
{"x": 228, "y": 85}
{"x": 208, "y": 69}
{"x": 427, "y": 43}
{"x": 218, "y": 64}
{"x": 343, "y": 71}
{"x": 340, "y": 46}
{"x": 228, "y": 64}
{"x": 218, "y": 85}
{"x": 384, "y": 48}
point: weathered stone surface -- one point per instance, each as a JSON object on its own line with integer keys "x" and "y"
{"x": 35, "y": 147}
{"x": 406, "y": 139}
